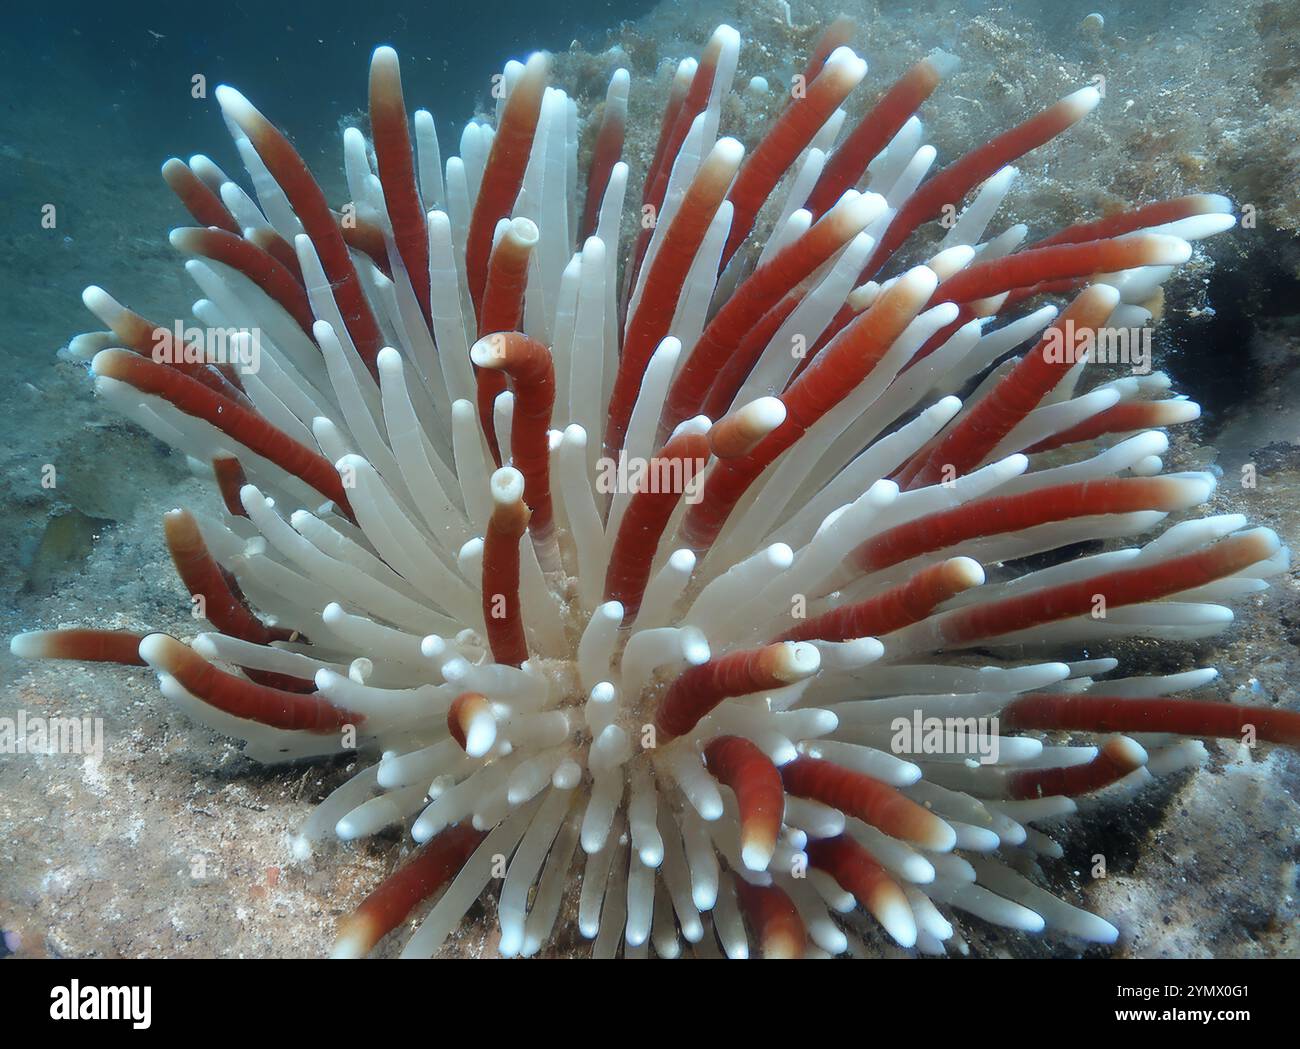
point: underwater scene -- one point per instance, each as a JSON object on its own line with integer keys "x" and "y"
{"x": 621, "y": 479}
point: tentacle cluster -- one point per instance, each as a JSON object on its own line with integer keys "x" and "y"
{"x": 632, "y": 554}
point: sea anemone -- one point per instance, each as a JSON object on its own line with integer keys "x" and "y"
{"x": 672, "y": 566}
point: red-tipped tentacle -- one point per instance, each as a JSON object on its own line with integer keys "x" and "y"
{"x": 1074, "y": 261}
{"x": 699, "y": 689}
{"x": 867, "y": 799}
{"x": 259, "y": 266}
{"x": 84, "y": 645}
{"x": 1126, "y": 586}
{"x": 232, "y": 419}
{"x": 858, "y": 873}
{"x": 848, "y": 163}
{"x": 1116, "y": 759}
{"x": 200, "y": 201}
{"x": 755, "y": 781}
{"x": 503, "y": 310}
{"x": 794, "y": 129}
{"x": 471, "y": 722}
{"x": 503, "y": 295}
{"x": 501, "y": 609}
{"x": 159, "y": 344}
{"x": 435, "y": 863}
{"x": 951, "y": 184}
{"x": 647, "y": 515}
{"x": 230, "y": 479}
{"x": 1157, "y": 214}
{"x": 1124, "y": 417}
{"x": 532, "y": 374}
{"x": 1053, "y": 711}
{"x": 606, "y": 151}
{"x": 973, "y": 437}
{"x": 739, "y": 433}
{"x": 735, "y": 370}
{"x": 683, "y": 79}
{"x": 693, "y": 103}
{"x": 1003, "y": 514}
{"x": 278, "y": 248}
{"x": 241, "y": 698}
{"x": 392, "y": 141}
{"x": 365, "y": 237}
{"x": 320, "y": 224}
{"x": 897, "y": 607}
{"x": 840, "y": 368}
{"x": 665, "y": 282}
{"x": 774, "y": 918}
{"x": 838, "y": 34}
{"x": 859, "y": 300}
{"x": 503, "y": 174}
{"x": 759, "y": 293}
{"x": 223, "y": 603}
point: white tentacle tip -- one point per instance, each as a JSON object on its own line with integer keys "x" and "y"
{"x": 967, "y": 570}
{"x": 728, "y": 151}
{"x": 883, "y": 492}
{"x": 1168, "y": 250}
{"x": 797, "y": 660}
{"x": 725, "y": 36}
{"x": 233, "y": 104}
{"x": 507, "y": 486}
{"x": 99, "y": 302}
{"x": 1082, "y": 102}
{"x": 487, "y": 351}
{"x": 160, "y": 651}
{"x": 32, "y": 645}
{"x": 846, "y": 59}
{"x": 756, "y": 857}
{"x": 919, "y": 281}
{"x": 682, "y": 561}
{"x": 384, "y": 55}
{"x": 481, "y": 734}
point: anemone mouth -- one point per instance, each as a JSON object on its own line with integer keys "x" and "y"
{"x": 674, "y": 558}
